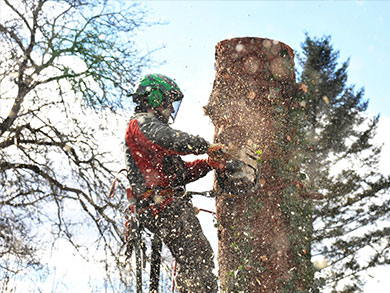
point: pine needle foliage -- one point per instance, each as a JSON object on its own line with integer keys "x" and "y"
{"x": 341, "y": 161}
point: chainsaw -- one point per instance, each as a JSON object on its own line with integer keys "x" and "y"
{"x": 244, "y": 170}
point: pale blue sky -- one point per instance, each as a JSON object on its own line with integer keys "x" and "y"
{"x": 359, "y": 30}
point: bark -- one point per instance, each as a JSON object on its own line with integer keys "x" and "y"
{"x": 250, "y": 106}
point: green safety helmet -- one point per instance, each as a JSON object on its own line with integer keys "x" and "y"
{"x": 155, "y": 90}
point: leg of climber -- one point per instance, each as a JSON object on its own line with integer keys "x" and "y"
{"x": 194, "y": 255}
{"x": 180, "y": 230}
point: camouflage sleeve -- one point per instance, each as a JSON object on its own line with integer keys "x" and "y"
{"x": 196, "y": 169}
{"x": 174, "y": 140}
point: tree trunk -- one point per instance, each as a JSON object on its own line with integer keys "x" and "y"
{"x": 264, "y": 227}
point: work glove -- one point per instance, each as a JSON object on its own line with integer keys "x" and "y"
{"x": 216, "y": 159}
{"x": 214, "y": 148}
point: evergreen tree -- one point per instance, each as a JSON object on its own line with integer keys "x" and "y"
{"x": 341, "y": 161}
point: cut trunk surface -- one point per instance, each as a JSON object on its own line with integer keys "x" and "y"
{"x": 254, "y": 92}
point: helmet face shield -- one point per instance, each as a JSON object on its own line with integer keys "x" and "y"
{"x": 176, "y": 106}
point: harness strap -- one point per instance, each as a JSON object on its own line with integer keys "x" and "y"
{"x": 162, "y": 198}
{"x": 113, "y": 185}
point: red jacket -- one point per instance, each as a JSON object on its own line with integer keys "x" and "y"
{"x": 153, "y": 151}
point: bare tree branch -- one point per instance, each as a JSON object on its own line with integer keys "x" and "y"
{"x": 66, "y": 71}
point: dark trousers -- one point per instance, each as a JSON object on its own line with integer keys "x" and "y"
{"x": 180, "y": 230}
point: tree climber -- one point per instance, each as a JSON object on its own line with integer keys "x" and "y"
{"x": 158, "y": 176}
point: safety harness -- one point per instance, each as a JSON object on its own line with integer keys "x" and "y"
{"x": 157, "y": 200}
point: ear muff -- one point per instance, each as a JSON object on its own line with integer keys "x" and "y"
{"x": 156, "y": 98}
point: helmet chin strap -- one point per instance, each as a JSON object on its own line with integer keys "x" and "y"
{"x": 163, "y": 115}
{"x": 167, "y": 113}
